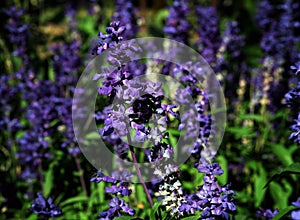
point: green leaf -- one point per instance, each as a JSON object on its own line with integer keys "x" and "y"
{"x": 154, "y": 210}
{"x": 77, "y": 199}
{"x": 140, "y": 193}
{"x": 48, "y": 184}
{"x": 194, "y": 217}
{"x": 123, "y": 218}
{"x": 280, "y": 197}
{"x": 223, "y": 163}
{"x": 242, "y": 132}
{"x": 93, "y": 135}
{"x": 253, "y": 117}
{"x": 260, "y": 177}
{"x": 283, "y": 154}
{"x": 51, "y": 74}
{"x": 32, "y": 217}
{"x": 291, "y": 169}
{"x": 283, "y": 212}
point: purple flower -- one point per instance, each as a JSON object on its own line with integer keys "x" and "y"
{"x": 278, "y": 28}
{"x": 114, "y": 35}
{"x": 295, "y": 215}
{"x": 293, "y": 101}
{"x": 177, "y": 27}
{"x": 119, "y": 187}
{"x": 209, "y": 35}
{"x": 101, "y": 177}
{"x": 210, "y": 169}
{"x": 45, "y": 208}
{"x": 213, "y": 200}
{"x": 267, "y": 214}
{"x": 18, "y": 31}
{"x": 125, "y": 12}
{"x": 116, "y": 207}
{"x": 66, "y": 62}
{"x": 295, "y": 135}
{"x": 296, "y": 67}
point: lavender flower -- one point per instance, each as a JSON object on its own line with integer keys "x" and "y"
{"x": 293, "y": 101}
{"x": 177, "y": 27}
{"x": 7, "y": 94}
{"x": 18, "y": 33}
{"x": 209, "y": 36}
{"x": 279, "y": 38}
{"x": 109, "y": 40}
{"x": 117, "y": 206}
{"x": 267, "y": 214}
{"x": 293, "y": 98}
{"x": 213, "y": 200}
{"x": 66, "y": 62}
{"x": 45, "y": 208}
{"x": 278, "y": 24}
{"x": 231, "y": 52}
{"x": 296, "y": 67}
{"x": 125, "y": 12}
{"x": 295, "y": 215}
{"x": 295, "y": 136}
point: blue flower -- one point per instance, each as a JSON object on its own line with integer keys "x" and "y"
{"x": 267, "y": 214}
{"x": 45, "y": 208}
{"x": 296, "y": 67}
{"x": 177, "y": 27}
{"x": 295, "y": 215}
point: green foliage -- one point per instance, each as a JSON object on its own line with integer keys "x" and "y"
{"x": 283, "y": 213}
{"x": 291, "y": 169}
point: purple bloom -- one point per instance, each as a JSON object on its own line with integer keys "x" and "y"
{"x": 18, "y": 32}
{"x": 213, "y": 200}
{"x": 209, "y": 35}
{"x": 114, "y": 35}
{"x": 293, "y": 101}
{"x": 295, "y": 135}
{"x": 116, "y": 206}
{"x": 296, "y": 67}
{"x": 45, "y": 208}
{"x": 267, "y": 214}
{"x": 295, "y": 215}
{"x": 119, "y": 187}
{"x": 125, "y": 12}
{"x": 210, "y": 169}
{"x": 177, "y": 27}
{"x": 279, "y": 38}
{"x": 66, "y": 62}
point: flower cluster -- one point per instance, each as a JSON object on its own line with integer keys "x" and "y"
{"x": 177, "y": 27}
{"x": 109, "y": 40}
{"x": 209, "y": 35}
{"x": 117, "y": 188}
{"x": 125, "y": 12}
{"x": 279, "y": 36}
{"x": 18, "y": 33}
{"x": 267, "y": 214}
{"x": 45, "y": 208}
{"x": 293, "y": 101}
{"x": 296, "y": 214}
{"x": 213, "y": 200}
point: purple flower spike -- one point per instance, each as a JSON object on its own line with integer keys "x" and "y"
{"x": 295, "y": 215}
{"x": 296, "y": 67}
{"x": 45, "y": 208}
{"x": 267, "y": 214}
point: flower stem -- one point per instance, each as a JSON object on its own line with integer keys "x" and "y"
{"x": 82, "y": 182}
{"x": 140, "y": 175}
{"x": 138, "y": 171}
{"x": 40, "y": 169}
